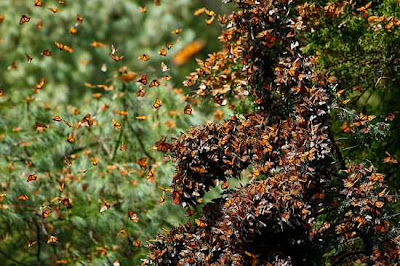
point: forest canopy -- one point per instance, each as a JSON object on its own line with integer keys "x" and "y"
{"x": 178, "y": 132}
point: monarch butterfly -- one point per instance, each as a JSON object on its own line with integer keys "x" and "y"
{"x": 187, "y": 52}
{"x": 150, "y": 175}
{"x": 142, "y": 162}
{"x": 169, "y": 45}
{"x": 143, "y": 9}
{"x": 2, "y": 17}
{"x": 105, "y": 207}
{"x": 88, "y": 120}
{"x": 73, "y": 30}
{"x": 39, "y": 25}
{"x": 142, "y": 117}
{"x": 210, "y": 20}
{"x": 28, "y": 58}
{"x": 79, "y": 19}
{"x": 66, "y": 202}
{"x": 54, "y": 9}
{"x": 97, "y": 44}
{"x": 122, "y": 147}
{"x": 200, "y": 223}
{"x": 162, "y": 198}
{"x": 154, "y": 83}
{"x": 31, "y": 178}
{"x": 24, "y": 19}
{"x": 64, "y": 47}
{"x": 38, "y": 3}
{"x": 39, "y": 85}
{"x": 12, "y": 66}
{"x": 23, "y": 197}
{"x": 144, "y": 57}
{"x": 39, "y": 127}
{"x": 143, "y": 79}
{"x": 141, "y": 92}
{"x": 116, "y": 124}
{"x": 163, "y": 51}
{"x": 157, "y": 104}
{"x": 122, "y": 113}
{"x": 133, "y": 216}
{"x": 200, "y": 170}
{"x": 62, "y": 186}
{"x": 177, "y": 31}
{"x": 46, "y": 213}
{"x": 117, "y": 58}
{"x": 164, "y": 67}
{"x": 47, "y": 53}
{"x": 163, "y": 146}
{"x": 157, "y": 2}
{"x": 52, "y": 239}
{"x": 31, "y": 243}
{"x": 188, "y": 110}
{"x": 71, "y": 138}
{"x": 166, "y": 77}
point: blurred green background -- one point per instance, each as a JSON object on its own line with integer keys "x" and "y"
{"x": 94, "y": 225}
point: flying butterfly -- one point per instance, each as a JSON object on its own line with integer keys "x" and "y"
{"x": 31, "y": 178}
{"x": 46, "y": 213}
{"x": 87, "y": 120}
{"x": 39, "y": 127}
{"x": 143, "y": 9}
{"x": 177, "y": 31}
{"x": 63, "y": 47}
{"x": 150, "y": 175}
{"x": 116, "y": 124}
{"x": 142, "y": 162}
{"x": 97, "y": 44}
{"x": 133, "y": 216}
{"x": 71, "y": 138}
{"x": 164, "y": 67}
{"x": 24, "y": 19}
{"x": 154, "y": 83}
{"x": 188, "y": 110}
{"x": 79, "y": 19}
{"x": 2, "y": 18}
{"x": 28, "y": 58}
{"x": 163, "y": 51}
{"x": 73, "y": 30}
{"x": 39, "y": 25}
{"x": 163, "y": 146}
{"x": 54, "y": 9}
{"x": 144, "y": 57}
{"x": 187, "y": 52}
{"x": 166, "y": 77}
{"x": 38, "y": 3}
{"x": 22, "y": 197}
{"x": 52, "y": 239}
{"x": 141, "y": 92}
{"x": 157, "y": 104}
{"x": 47, "y": 52}
{"x": 12, "y": 66}
{"x": 39, "y": 85}
{"x": 57, "y": 118}
{"x": 143, "y": 79}
{"x": 117, "y": 58}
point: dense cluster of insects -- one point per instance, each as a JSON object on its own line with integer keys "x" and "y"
{"x": 303, "y": 201}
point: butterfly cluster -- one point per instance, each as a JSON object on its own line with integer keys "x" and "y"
{"x": 303, "y": 200}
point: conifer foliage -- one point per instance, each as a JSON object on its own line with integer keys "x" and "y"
{"x": 305, "y": 204}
